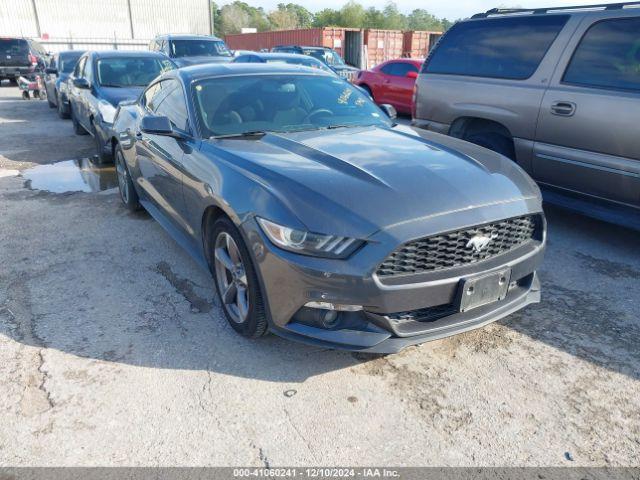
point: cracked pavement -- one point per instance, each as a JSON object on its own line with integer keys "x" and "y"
{"x": 114, "y": 351}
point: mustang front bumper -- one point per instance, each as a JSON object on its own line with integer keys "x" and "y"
{"x": 382, "y": 317}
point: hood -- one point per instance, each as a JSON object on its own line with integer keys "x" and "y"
{"x": 345, "y": 68}
{"x": 116, "y": 95}
{"x": 187, "y": 61}
{"x": 357, "y": 181}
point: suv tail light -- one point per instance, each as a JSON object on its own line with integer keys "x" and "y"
{"x": 33, "y": 59}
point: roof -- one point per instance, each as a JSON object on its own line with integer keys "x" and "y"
{"x": 278, "y": 55}
{"x": 188, "y": 36}
{"x": 567, "y": 9}
{"x": 308, "y": 47}
{"x": 209, "y": 70}
{"x": 127, "y": 53}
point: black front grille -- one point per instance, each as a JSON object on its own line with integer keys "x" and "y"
{"x": 425, "y": 315}
{"x": 457, "y": 248}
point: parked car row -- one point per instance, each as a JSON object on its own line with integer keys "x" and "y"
{"x": 323, "y": 220}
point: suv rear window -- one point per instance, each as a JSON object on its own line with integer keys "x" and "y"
{"x": 608, "y": 56}
{"x": 11, "y": 46}
{"x": 510, "y": 47}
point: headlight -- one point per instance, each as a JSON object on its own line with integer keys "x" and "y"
{"x": 107, "y": 111}
{"x": 63, "y": 87}
{"x": 307, "y": 243}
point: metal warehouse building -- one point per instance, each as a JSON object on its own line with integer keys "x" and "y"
{"x": 80, "y": 23}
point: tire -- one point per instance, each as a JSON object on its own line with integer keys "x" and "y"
{"x": 253, "y": 324}
{"x": 13, "y": 81}
{"x": 61, "y": 111}
{"x": 49, "y": 102}
{"x": 127, "y": 189}
{"x": 77, "y": 128}
{"x": 494, "y": 141}
{"x": 101, "y": 156}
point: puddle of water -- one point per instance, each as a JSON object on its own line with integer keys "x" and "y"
{"x": 72, "y": 176}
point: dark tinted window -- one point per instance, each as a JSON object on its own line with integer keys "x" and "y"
{"x": 399, "y": 69}
{"x": 156, "y": 93}
{"x": 510, "y": 47}
{"x": 608, "y": 56}
{"x": 174, "y": 107}
{"x": 130, "y": 72}
{"x": 199, "y": 48}
{"x": 77, "y": 72}
{"x": 14, "y": 46}
{"x": 67, "y": 62}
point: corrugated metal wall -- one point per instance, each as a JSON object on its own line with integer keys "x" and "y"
{"x": 103, "y": 18}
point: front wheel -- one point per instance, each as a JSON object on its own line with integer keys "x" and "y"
{"x": 494, "y": 141}
{"x": 236, "y": 281}
{"x": 51, "y": 104}
{"x": 102, "y": 156}
{"x": 62, "y": 113}
{"x": 127, "y": 190}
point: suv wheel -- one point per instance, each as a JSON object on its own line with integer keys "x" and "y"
{"x": 493, "y": 141}
{"x": 236, "y": 281}
{"x": 127, "y": 190}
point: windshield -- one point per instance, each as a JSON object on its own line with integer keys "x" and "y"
{"x": 304, "y": 61}
{"x": 130, "y": 72}
{"x": 67, "y": 62}
{"x": 329, "y": 57}
{"x": 282, "y": 103}
{"x": 199, "y": 48}
{"x": 14, "y": 47}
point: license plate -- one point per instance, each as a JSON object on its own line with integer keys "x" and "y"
{"x": 477, "y": 291}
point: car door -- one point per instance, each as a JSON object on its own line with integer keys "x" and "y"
{"x": 385, "y": 77}
{"x": 160, "y": 157}
{"x": 400, "y": 88}
{"x": 587, "y": 136}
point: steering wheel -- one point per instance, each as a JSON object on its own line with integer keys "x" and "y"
{"x": 315, "y": 113}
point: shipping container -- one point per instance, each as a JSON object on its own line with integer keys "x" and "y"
{"x": 382, "y": 45}
{"x": 100, "y": 19}
{"x": 346, "y": 41}
{"x": 417, "y": 44}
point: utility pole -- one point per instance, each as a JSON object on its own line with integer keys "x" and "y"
{"x": 130, "y": 19}
{"x": 35, "y": 16}
{"x": 212, "y": 13}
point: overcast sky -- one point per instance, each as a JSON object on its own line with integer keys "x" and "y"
{"x": 451, "y": 9}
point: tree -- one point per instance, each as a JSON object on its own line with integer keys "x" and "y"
{"x": 304, "y": 16}
{"x": 283, "y": 19}
{"x": 394, "y": 20}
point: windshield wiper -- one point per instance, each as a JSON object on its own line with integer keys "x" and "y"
{"x": 252, "y": 134}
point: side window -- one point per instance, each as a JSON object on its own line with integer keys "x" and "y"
{"x": 608, "y": 56}
{"x": 510, "y": 47}
{"x": 77, "y": 72}
{"x": 243, "y": 59}
{"x": 173, "y": 106}
{"x": 54, "y": 62}
{"x": 389, "y": 69}
{"x": 154, "y": 96}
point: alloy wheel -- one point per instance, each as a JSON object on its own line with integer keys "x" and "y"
{"x": 231, "y": 278}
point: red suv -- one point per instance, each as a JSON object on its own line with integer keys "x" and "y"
{"x": 392, "y": 82}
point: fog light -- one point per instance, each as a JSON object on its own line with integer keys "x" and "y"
{"x": 330, "y": 319}
{"x": 334, "y": 306}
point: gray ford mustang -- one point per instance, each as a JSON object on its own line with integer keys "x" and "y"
{"x": 322, "y": 220}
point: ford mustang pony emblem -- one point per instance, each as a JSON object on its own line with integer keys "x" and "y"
{"x": 480, "y": 241}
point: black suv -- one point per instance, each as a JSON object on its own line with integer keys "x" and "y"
{"x": 20, "y": 56}
{"x": 187, "y": 50}
{"x": 326, "y": 55}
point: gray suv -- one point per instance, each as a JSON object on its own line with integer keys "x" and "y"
{"x": 557, "y": 90}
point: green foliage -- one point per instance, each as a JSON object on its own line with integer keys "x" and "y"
{"x": 234, "y": 16}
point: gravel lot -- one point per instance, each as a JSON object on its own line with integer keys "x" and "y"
{"x": 114, "y": 352}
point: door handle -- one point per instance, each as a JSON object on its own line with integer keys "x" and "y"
{"x": 564, "y": 109}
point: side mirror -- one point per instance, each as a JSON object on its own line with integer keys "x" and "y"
{"x": 389, "y": 110}
{"x": 413, "y": 75}
{"x": 81, "y": 83}
{"x": 51, "y": 71}
{"x": 158, "y": 125}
